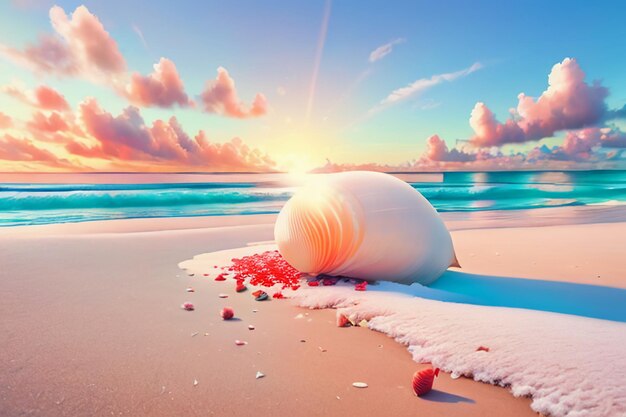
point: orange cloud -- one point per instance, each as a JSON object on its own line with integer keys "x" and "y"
{"x": 50, "y": 99}
{"x": 220, "y": 97}
{"x": 5, "y": 121}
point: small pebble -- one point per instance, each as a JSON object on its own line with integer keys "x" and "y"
{"x": 240, "y": 343}
{"x": 223, "y": 296}
{"x": 187, "y": 306}
{"x": 359, "y": 384}
{"x": 195, "y": 382}
{"x": 250, "y": 327}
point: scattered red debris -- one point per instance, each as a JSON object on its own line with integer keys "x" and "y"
{"x": 266, "y": 269}
{"x": 240, "y": 287}
{"x": 329, "y": 281}
{"x": 423, "y": 380}
{"x": 313, "y": 283}
{"x": 227, "y": 313}
{"x": 260, "y": 295}
{"x": 221, "y": 277}
{"x": 342, "y": 321}
{"x": 482, "y": 349}
{"x": 361, "y": 286}
{"x": 187, "y": 306}
{"x": 206, "y": 275}
{"x": 279, "y": 295}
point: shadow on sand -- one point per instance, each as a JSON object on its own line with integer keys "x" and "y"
{"x": 593, "y": 301}
{"x": 445, "y": 397}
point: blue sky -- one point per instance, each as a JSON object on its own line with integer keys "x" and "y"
{"x": 270, "y": 47}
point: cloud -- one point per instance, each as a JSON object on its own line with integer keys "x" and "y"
{"x": 126, "y": 137}
{"x": 24, "y": 150}
{"x": 162, "y": 88}
{"x": 5, "y": 121}
{"x": 79, "y": 46}
{"x": 48, "y": 124}
{"x": 567, "y": 103}
{"x": 50, "y": 99}
{"x": 437, "y": 150}
{"x": 43, "y": 97}
{"x": 139, "y": 33}
{"x": 384, "y": 50}
{"x": 422, "y": 85}
{"x": 220, "y": 97}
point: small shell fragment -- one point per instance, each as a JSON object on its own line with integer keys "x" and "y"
{"x": 363, "y": 323}
{"x": 250, "y": 327}
{"x": 195, "y": 382}
{"x": 359, "y": 384}
{"x": 189, "y": 289}
{"x": 223, "y": 295}
{"x": 240, "y": 342}
{"x": 259, "y": 374}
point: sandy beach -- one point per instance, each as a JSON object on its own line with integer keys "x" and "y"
{"x": 92, "y": 325}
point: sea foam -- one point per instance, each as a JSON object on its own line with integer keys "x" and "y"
{"x": 569, "y": 365}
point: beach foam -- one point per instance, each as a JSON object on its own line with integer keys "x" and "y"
{"x": 569, "y": 365}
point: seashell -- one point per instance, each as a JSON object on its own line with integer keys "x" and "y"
{"x": 187, "y": 306}
{"x": 367, "y": 225}
{"x": 259, "y": 374}
{"x": 423, "y": 380}
{"x": 359, "y": 385}
{"x": 227, "y": 313}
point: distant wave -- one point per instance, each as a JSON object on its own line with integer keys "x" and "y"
{"x": 512, "y": 192}
{"x": 33, "y": 188}
{"x": 109, "y": 200}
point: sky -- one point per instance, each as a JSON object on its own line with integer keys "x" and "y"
{"x": 321, "y": 85}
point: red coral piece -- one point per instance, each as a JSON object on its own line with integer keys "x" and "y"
{"x": 313, "y": 283}
{"x": 221, "y": 277}
{"x": 482, "y": 349}
{"x": 279, "y": 295}
{"x": 361, "y": 286}
{"x": 240, "y": 287}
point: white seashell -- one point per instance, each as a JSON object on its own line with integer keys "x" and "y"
{"x": 359, "y": 384}
{"x": 259, "y": 374}
{"x": 365, "y": 225}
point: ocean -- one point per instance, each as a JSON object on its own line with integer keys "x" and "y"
{"x": 31, "y": 199}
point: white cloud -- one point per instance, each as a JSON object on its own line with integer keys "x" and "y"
{"x": 384, "y": 50}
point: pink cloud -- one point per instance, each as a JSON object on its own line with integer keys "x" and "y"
{"x": 48, "y": 124}
{"x": 162, "y": 88}
{"x": 24, "y": 150}
{"x": 220, "y": 97}
{"x": 126, "y": 137}
{"x": 5, "y": 121}
{"x": 50, "y": 99}
{"x": 567, "y": 103}
{"x": 79, "y": 46}
{"x": 437, "y": 150}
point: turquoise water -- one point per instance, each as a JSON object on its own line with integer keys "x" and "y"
{"x": 44, "y": 202}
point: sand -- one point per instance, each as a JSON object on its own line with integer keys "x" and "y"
{"x": 91, "y": 325}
